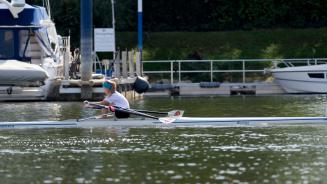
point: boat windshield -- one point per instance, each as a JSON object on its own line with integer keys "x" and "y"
{"x": 14, "y": 43}
{"x": 7, "y": 46}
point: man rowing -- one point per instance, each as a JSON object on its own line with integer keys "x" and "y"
{"x": 114, "y": 98}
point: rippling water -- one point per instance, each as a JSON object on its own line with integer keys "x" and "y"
{"x": 278, "y": 154}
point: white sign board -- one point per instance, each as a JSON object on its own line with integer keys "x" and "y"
{"x": 104, "y": 40}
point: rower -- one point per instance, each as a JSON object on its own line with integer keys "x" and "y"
{"x": 114, "y": 98}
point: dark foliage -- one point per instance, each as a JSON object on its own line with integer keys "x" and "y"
{"x": 197, "y": 15}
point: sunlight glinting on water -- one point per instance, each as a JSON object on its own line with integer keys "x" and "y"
{"x": 265, "y": 154}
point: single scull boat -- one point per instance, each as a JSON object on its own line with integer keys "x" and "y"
{"x": 174, "y": 119}
{"x": 152, "y": 123}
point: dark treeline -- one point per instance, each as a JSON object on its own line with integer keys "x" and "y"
{"x": 194, "y": 15}
{"x": 217, "y": 15}
{"x": 199, "y": 15}
{"x": 66, "y": 15}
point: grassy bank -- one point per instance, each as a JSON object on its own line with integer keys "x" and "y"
{"x": 279, "y": 43}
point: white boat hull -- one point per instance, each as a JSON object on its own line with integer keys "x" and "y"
{"x": 181, "y": 122}
{"x": 31, "y": 55}
{"x": 9, "y": 93}
{"x": 14, "y": 72}
{"x": 298, "y": 79}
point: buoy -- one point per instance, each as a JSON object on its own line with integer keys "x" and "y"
{"x": 141, "y": 85}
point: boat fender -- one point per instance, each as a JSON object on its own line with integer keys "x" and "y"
{"x": 209, "y": 84}
{"x": 141, "y": 85}
{"x": 9, "y": 91}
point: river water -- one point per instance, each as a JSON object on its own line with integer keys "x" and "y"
{"x": 265, "y": 154}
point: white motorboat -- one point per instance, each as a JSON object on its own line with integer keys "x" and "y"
{"x": 30, "y": 56}
{"x": 302, "y": 79}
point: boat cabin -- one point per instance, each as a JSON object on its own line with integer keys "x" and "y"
{"x": 29, "y": 38}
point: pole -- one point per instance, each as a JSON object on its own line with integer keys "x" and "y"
{"x": 113, "y": 26}
{"x": 140, "y": 25}
{"x": 86, "y": 39}
{"x": 86, "y": 47}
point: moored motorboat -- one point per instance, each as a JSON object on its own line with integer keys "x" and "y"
{"x": 302, "y": 79}
{"x": 31, "y": 56}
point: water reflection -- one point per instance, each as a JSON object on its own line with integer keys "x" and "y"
{"x": 234, "y": 155}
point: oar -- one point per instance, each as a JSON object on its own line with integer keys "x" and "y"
{"x": 113, "y": 109}
{"x": 93, "y": 117}
{"x": 170, "y": 113}
{"x": 174, "y": 113}
{"x": 151, "y": 112}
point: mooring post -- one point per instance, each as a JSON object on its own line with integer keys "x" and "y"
{"x": 86, "y": 39}
{"x": 66, "y": 41}
{"x": 138, "y": 64}
{"x": 117, "y": 68}
{"x": 124, "y": 64}
{"x": 131, "y": 63}
{"x": 86, "y": 47}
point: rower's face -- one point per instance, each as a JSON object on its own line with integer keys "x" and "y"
{"x": 106, "y": 91}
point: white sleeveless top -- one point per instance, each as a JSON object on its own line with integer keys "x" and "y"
{"x": 118, "y": 100}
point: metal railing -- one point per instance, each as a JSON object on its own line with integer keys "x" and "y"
{"x": 271, "y": 63}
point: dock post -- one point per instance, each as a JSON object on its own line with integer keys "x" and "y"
{"x": 86, "y": 47}
{"x": 131, "y": 63}
{"x": 66, "y": 57}
{"x": 117, "y": 67}
{"x": 124, "y": 64}
{"x": 138, "y": 64}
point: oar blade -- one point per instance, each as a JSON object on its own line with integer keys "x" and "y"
{"x": 176, "y": 113}
{"x": 167, "y": 120}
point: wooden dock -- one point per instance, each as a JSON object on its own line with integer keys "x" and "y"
{"x": 194, "y": 89}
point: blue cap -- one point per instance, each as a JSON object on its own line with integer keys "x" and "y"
{"x": 107, "y": 85}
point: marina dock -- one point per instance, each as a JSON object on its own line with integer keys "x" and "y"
{"x": 195, "y": 89}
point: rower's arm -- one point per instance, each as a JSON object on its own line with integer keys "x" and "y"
{"x": 105, "y": 111}
{"x": 106, "y": 103}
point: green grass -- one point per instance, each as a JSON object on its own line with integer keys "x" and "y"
{"x": 279, "y": 43}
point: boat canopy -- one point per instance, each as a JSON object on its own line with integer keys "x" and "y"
{"x": 30, "y": 16}
{"x": 15, "y": 32}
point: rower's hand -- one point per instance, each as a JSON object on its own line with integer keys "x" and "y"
{"x": 92, "y": 105}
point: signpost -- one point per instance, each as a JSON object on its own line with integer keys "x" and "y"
{"x": 104, "y": 40}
